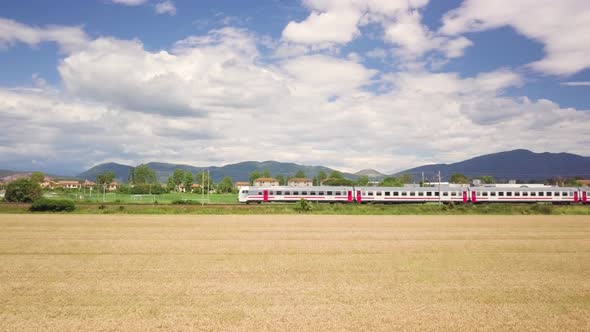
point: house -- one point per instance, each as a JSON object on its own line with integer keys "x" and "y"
{"x": 48, "y": 184}
{"x": 266, "y": 182}
{"x": 2, "y": 185}
{"x": 300, "y": 182}
{"x": 195, "y": 187}
{"x": 585, "y": 183}
{"x": 68, "y": 184}
{"x": 240, "y": 184}
{"x": 113, "y": 186}
{"x": 88, "y": 184}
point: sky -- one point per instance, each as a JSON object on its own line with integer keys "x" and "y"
{"x": 348, "y": 84}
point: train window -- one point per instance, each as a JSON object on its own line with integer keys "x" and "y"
{"x": 244, "y": 191}
{"x": 338, "y": 193}
{"x": 260, "y": 193}
{"x": 404, "y": 193}
{"x": 329, "y": 193}
{"x": 395, "y": 193}
{"x": 500, "y": 193}
{"x": 517, "y": 193}
{"x": 295, "y": 193}
{"x": 485, "y": 193}
{"x": 533, "y": 193}
{"x": 287, "y": 193}
{"x": 271, "y": 192}
{"x": 370, "y": 193}
{"x": 436, "y": 193}
{"x": 388, "y": 193}
{"x": 564, "y": 193}
{"x": 312, "y": 193}
{"x": 445, "y": 193}
{"x": 453, "y": 193}
{"x": 379, "y": 193}
{"x": 412, "y": 193}
{"x": 429, "y": 193}
{"x": 279, "y": 192}
{"x": 493, "y": 193}
{"x": 540, "y": 193}
{"x": 304, "y": 193}
{"x": 321, "y": 193}
{"x": 420, "y": 193}
{"x": 508, "y": 193}
{"x": 525, "y": 193}
{"x": 548, "y": 193}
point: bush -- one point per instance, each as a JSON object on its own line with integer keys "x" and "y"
{"x": 53, "y": 205}
{"x": 303, "y": 206}
{"x": 23, "y": 191}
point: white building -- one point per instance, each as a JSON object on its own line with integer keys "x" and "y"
{"x": 300, "y": 182}
{"x": 266, "y": 182}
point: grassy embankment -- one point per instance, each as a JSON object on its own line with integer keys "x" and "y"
{"x": 327, "y": 209}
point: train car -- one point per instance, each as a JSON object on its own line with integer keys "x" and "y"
{"x": 294, "y": 194}
{"x": 410, "y": 194}
{"x": 524, "y": 194}
{"x": 585, "y": 195}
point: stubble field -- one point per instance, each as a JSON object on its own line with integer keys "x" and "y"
{"x": 122, "y": 272}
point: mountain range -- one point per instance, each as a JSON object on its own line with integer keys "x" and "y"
{"x": 517, "y": 164}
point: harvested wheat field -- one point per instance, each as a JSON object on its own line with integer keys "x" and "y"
{"x": 116, "y": 272}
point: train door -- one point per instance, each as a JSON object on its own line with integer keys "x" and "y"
{"x": 584, "y": 197}
{"x": 474, "y": 196}
{"x": 350, "y": 195}
{"x": 265, "y": 195}
{"x": 465, "y": 197}
{"x": 575, "y": 196}
{"x": 359, "y": 197}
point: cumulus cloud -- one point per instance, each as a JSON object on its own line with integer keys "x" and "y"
{"x": 166, "y": 7}
{"x": 68, "y": 38}
{"x": 562, "y": 26}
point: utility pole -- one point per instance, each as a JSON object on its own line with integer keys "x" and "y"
{"x": 439, "y": 197}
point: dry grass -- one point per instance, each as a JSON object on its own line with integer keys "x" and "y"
{"x": 78, "y": 272}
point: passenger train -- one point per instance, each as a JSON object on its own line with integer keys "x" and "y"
{"x": 414, "y": 194}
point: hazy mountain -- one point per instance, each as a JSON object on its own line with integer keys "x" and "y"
{"x": 238, "y": 172}
{"x": 516, "y": 164}
{"x": 371, "y": 173}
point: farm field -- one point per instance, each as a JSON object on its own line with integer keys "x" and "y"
{"x": 294, "y": 272}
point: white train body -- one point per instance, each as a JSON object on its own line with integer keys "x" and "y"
{"x": 349, "y": 194}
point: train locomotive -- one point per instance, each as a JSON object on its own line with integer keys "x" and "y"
{"x": 480, "y": 194}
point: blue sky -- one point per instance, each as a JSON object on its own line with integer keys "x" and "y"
{"x": 350, "y": 84}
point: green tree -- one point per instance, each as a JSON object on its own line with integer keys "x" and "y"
{"x": 265, "y": 174}
{"x": 23, "y": 191}
{"x": 105, "y": 178}
{"x": 391, "y": 181}
{"x": 253, "y": 176}
{"x": 37, "y": 177}
{"x": 459, "y": 178}
{"x": 143, "y": 174}
{"x": 363, "y": 180}
{"x": 488, "y": 179}
{"x": 406, "y": 178}
{"x": 282, "y": 180}
{"x": 336, "y": 175}
{"x": 175, "y": 179}
{"x": 188, "y": 180}
{"x": 300, "y": 174}
{"x": 226, "y": 185}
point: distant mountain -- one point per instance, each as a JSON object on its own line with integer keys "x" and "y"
{"x": 121, "y": 171}
{"x": 516, "y": 165}
{"x": 5, "y": 173}
{"x": 371, "y": 173}
{"x": 238, "y": 172}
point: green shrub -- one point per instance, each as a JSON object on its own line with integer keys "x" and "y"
{"x": 23, "y": 191}
{"x": 303, "y": 206}
{"x": 542, "y": 208}
{"x": 53, "y": 205}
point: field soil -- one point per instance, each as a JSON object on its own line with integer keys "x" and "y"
{"x": 294, "y": 272}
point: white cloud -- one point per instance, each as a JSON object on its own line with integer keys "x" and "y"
{"x": 129, "y": 2}
{"x": 562, "y": 26}
{"x": 68, "y": 38}
{"x": 585, "y": 83}
{"x": 166, "y": 7}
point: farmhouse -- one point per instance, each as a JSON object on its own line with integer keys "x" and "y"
{"x": 240, "y": 184}
{"x": 68, "y": 184}
{"x": 300, "y": 182}
{"x": 266, "y": 182}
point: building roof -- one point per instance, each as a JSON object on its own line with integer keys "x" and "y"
{"x": 585, "y": 182}
{"x": 68, "y": 182}
{"x": 300, "y": 180}
{"x": 266, "y": 180}
{"x": 242, "y": 183}
{"x": 195, "y": 185}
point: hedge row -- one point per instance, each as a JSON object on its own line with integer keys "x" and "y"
{"x": 53, "y": 205}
